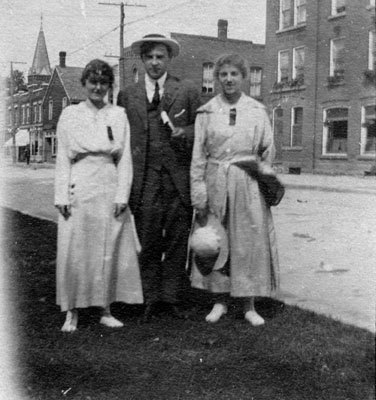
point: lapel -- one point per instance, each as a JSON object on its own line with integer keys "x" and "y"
{"x": 171, "y": 90}
{"x": 140, "y": 102}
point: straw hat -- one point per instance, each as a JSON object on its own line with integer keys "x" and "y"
{"x": 209, "y": 245}
{"x": 156, "y": 38}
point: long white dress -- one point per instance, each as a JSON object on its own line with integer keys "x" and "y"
{"x": 234, "y": 196}
{"x": 97, "y": 261}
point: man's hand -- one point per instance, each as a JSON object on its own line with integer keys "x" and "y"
{"x": 178, "y": 132}
{"x": 119, "y": 209}
{"x": 64, "y": 210}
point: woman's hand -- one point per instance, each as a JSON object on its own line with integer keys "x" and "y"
{"x": 202, "y": 216}
{"x": 64, "y": 210}
{"x": 119, "y": 209}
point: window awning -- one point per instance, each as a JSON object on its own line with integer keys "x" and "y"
{"x": 22, "y": 139}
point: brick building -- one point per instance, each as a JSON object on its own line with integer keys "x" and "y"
{"x": 64, "y": 89}
{"x": 196, "y": 61}
{"x": 24, "y": 108}
{"x": 320, "y": 84}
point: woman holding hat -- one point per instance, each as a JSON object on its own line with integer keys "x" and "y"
{"x": 97, "y": 244}
{"x": 233, "y": 142}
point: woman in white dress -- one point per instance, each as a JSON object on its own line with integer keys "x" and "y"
{"x": 97, "y": 245}
{"x": 234, "y": 128}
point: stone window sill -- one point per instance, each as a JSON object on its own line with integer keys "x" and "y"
{"x": 292, "y": 148}
{"x": 339, "y": 15}
{"x": 334, "y": 157}
{"x": 292, "y": 28}
{"x": 366, "y": 157}
{"x": 288, "y": 89}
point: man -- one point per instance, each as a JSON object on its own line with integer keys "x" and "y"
{"x": 161, "y": 151}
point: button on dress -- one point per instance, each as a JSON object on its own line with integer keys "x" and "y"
{"x": 97, "y": 261}
{"x": 233, "y": 195}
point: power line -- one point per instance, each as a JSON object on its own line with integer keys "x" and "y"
{"x": 161, "y": 12}
{"x": 131, "y": 23}
{"x": 122, "y": 5}
{"x": 94, "y": 41}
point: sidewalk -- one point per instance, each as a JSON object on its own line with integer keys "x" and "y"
{"x": 333, "y": 183}
{"x": 326, "y": 232}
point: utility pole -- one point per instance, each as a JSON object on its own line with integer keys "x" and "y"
{"x": 12, "y": 119}
{"x": 121, "y": 58}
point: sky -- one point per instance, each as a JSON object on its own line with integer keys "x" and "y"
{"x": 86, "y": 29}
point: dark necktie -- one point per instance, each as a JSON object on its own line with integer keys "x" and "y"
{"x": 156, "y": 98}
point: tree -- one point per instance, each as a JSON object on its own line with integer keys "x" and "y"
{"x": 18, "y": 81}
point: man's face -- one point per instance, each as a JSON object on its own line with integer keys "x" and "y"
{"x": 156, "y": 61}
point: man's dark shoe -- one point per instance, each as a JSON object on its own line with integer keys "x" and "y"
{"x": 175, "y": 311}
{"x": 150, "y": 310}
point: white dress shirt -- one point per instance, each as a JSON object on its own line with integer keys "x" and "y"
{"x": 150, "y": 86}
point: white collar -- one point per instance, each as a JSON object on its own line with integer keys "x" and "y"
{"x": 150, "y": 85}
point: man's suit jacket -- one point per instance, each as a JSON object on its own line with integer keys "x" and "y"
{"x": 180, "y": 100}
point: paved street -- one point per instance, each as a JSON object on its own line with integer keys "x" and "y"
{"x": 326, "y": 230}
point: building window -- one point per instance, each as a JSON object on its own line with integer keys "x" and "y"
{"x": 34, "y": 147}
{"x": 292, "y": 13}
{"x": 338, "y": 6}
{"x": 53, "y": 145}
{"x": 283, "y": 66}
{"x": 371, "y": 51}
{"x": 28, "y": 113}
{"x": 368, "y": 130}
{"x": 23, "y": 114}
{"x": 9, "y": 116}
{"x": 64, "y": 102}
{"x": 255, "y": 81}
{"x": 287, "y": 15}
{"x": 50, "y": 109}
{"x": 40, "y": 111}
{"x": 16, "y": 116}
{"x": 337, "y": 59}
{"x": 335, "y": 131}
{"x": 35, "y": 113}
{"x": 298, "y": 64}
{"x": 135, "y": 75}
{"x": 296, "y": 126}
{"x": 300, "y": 6}
{"x": 208, "y": 78}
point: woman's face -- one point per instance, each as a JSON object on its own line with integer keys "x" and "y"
{"x": 96, "y": 88}
{"x": 231, "y": 80}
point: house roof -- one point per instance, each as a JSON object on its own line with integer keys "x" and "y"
{"x": 71, "y": 79}
{"x": 41, "y": 62}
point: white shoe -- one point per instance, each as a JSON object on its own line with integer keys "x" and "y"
{"x": 71, "y": 320}
{"x": 216, "y": 313}
{"x": 111, "y": 321}
{"x": 254, "y": 318}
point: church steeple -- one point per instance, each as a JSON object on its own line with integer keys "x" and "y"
{"x": 40, "y": 69}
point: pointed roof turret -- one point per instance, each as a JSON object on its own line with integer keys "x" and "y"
{"x": 41, "y": 63}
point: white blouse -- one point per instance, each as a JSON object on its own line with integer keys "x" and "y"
{"x": 83, "y": 129}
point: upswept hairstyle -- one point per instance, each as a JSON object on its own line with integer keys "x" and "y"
{"x": 231, "y": 59}
{"x": 98, "y": 68}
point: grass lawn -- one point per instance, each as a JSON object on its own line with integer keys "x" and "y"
{"x": 296, "y": 355}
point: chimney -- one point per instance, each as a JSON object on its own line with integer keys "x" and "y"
{"x": 222, "y": 29}
{"x": 62, "y": 56}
